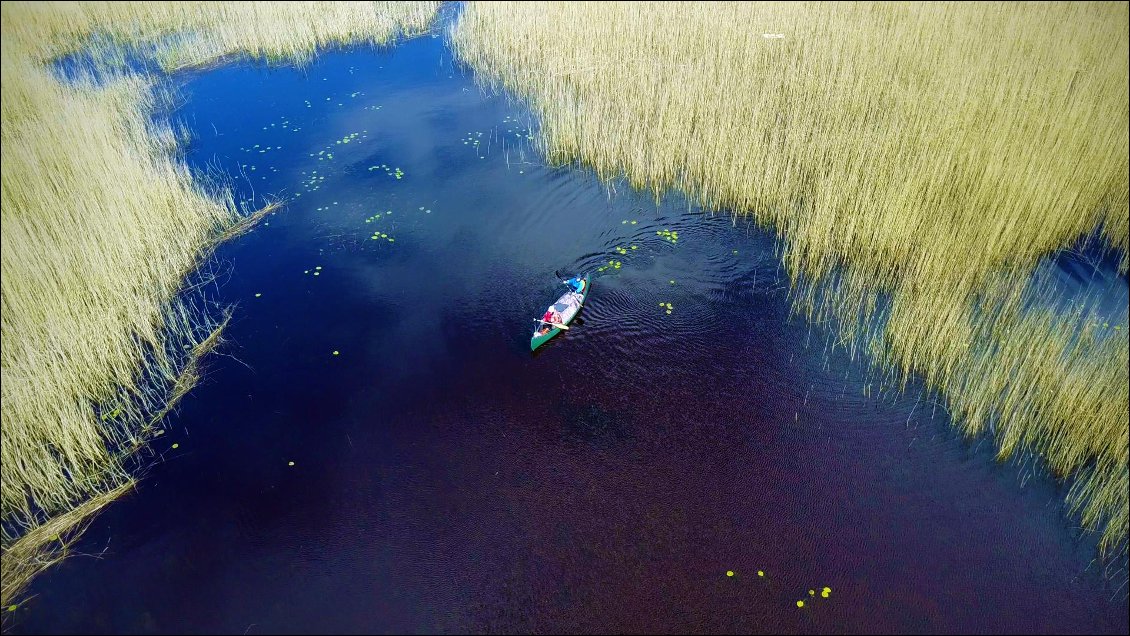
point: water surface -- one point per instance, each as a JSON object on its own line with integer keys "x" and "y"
{"x": 446, "y": 479}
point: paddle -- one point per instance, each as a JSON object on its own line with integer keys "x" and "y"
{"x": 554, "y": 324}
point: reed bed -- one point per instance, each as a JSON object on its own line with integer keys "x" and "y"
{"x": 191, "y": 33}
{"x": 918, "y": 160}
{"x": 101, "y": 225}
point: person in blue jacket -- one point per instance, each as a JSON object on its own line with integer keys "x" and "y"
{"x": 576, "y": 283}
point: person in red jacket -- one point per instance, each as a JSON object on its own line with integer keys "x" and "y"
{"x": 551, "y": 316}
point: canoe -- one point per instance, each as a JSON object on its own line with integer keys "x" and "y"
{"x": 568, "y": 306}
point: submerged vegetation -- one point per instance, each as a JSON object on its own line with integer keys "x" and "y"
{"x": 917, "y": 160}
{"x": 101, "y": 226}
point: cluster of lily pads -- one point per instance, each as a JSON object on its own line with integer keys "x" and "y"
{"x": 668, "y": 235}
{"x": 825, "y": 592}
{"x": 473, "y": 139}
{"x": 377, "y": 234}
{"x": 314, "y": 182}
{"x": 668, "y": 306}
{"x": 352, "y": 136}
{"x": 351, "y": 95}
{"x": 284, "y": 122}
{"x": 520, "y": 131}
{"x": 626, "y": 222}
{"x": 389, "y": 170}
{"x": 260, "y": 149}
{"x": 327, "y": 152}
{"x": 610, "y": 265}
{"x": 624, "y": 250}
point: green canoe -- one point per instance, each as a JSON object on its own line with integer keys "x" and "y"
{"x": 567, "y": 307}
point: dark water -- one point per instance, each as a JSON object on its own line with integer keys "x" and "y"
{"x": 445, "y": 479}
{"x": 1085, "y": 279}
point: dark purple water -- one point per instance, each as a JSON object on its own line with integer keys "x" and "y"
{"x": 445, "y": 479}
